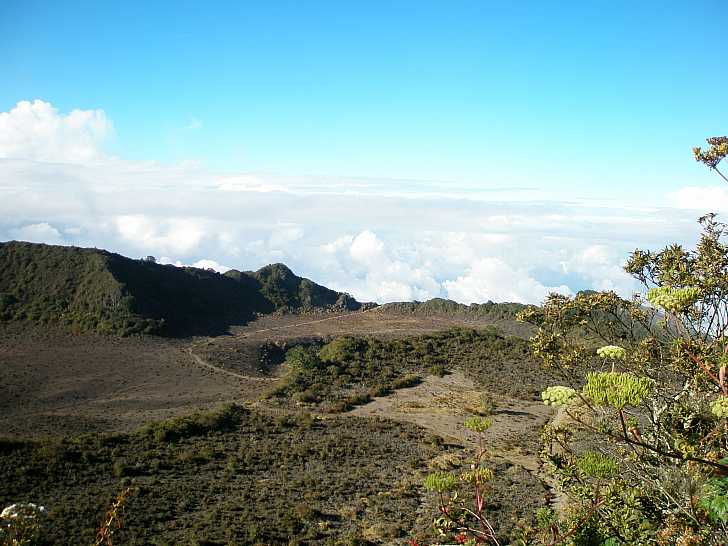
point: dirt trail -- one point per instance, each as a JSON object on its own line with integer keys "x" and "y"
{"x": 251, "y": 333}
{"x": 198, "y": 359}
{"x": 441, "y": 404}
{"x": 205, "y": 364}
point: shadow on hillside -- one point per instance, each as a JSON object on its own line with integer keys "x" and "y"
{"x": 217, "y": 327}
{"x": 188, "y": 301}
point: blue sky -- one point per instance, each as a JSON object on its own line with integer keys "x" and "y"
{"x": 574, "y": 100}
{"x": 611, "y": 92}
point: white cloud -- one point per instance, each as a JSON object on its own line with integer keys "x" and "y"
{"x": 175, "y": 235}
{"x": 374, "y": 272}
{"x": 37, "y": 233}
{"x": 335, "y": 246}
{"x": 367, "y": 248}
{"x": 201, "y": 264}
{"x": 248, "y": 182}
{"x": 380, "y": 240}
{"x": 285, "y": 234}
{"x": 36, "y": 130}
{"x": 703, "y": 199}
{"x": 602, "y": 266}
{"x": 211, "y": 264}
{"x": 493, "y": 279}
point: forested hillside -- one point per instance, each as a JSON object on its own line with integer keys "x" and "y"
{"x": 285, "y": 290}
{"x": 95, "y": 290}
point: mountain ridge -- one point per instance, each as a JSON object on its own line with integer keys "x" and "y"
{"x": 90, "y": 289}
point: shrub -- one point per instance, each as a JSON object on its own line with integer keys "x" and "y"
{"x": 406, "y": 381}
{"x": 659, "y": 407}
{"x": 658, "y": 414}
{"x": 197, "y": 424}
{"x": 487, "y": 404}
{"x": 342, "y": 349}
{"x": 119, "y": 468}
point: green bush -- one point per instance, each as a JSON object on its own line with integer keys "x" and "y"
{"x": 197, "y": 424}
{"x": 406, "y": 381}
{"x": 330, "y": 376}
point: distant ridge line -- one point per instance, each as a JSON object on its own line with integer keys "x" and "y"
{"x": 93, "y": 290}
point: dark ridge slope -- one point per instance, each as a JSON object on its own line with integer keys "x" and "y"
{"x": 188, "y": 299}
{"x": 95, "y": 290}
{"x": 287, "y": 291}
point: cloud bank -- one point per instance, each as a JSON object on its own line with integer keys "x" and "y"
{"x": 380, "y": 240}
{"x": 36, "y": 130}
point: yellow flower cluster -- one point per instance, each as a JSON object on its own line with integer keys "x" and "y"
{"x": 673, "y": 299}
{"x": 441, "y": 482}
{"x": 612, "y": 351}
{"x": 596, "y": 465}
{"x": 558, "y": 396}
{"x": 715, "y": 154}
{"x": 719, "y": 407}
{"x": 477, "y": 424}
{"x": 478, "y": 475}
{"x": 616, "y": 389}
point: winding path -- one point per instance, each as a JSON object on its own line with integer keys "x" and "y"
{"x": 205, "y": 364}
{"x": 199, "y": 360}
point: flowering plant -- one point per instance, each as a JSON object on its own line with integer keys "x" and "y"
{"x": 655, "y": 420}
{"x": 612, "y": 351}
{"x": 21, "y": 523}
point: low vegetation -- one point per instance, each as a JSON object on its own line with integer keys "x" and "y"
{"x": 231, "y": 476}
{"x": 349, "y": 371}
